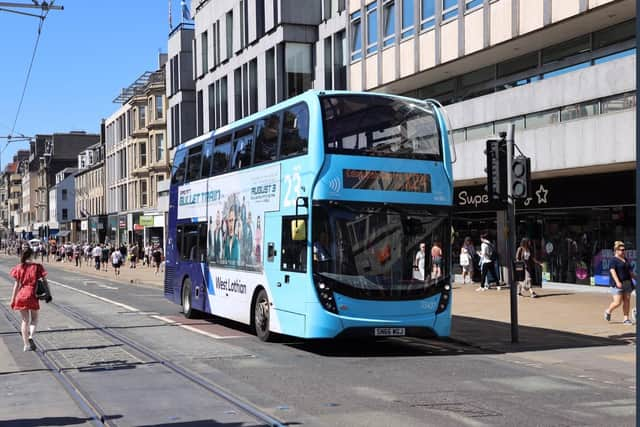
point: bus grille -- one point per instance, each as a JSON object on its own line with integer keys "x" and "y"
{"x": 169, "y": 274}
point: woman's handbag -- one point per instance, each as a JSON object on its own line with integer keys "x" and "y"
{"x": 42, "y": 291}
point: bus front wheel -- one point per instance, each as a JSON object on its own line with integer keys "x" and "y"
{"x": 187, "y": 308}
{"x": 261, "y": 316}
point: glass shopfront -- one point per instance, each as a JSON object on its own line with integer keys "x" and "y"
{"x": 572, "y": 223}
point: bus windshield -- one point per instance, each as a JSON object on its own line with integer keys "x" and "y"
{"x": 373, "y": 125}
{"x": 380, "y": 252}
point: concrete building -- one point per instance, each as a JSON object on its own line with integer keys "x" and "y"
{"x": 137, "y": 160}
{"x": 251, "y": 55}
{"x": 90, "y": 194}
{"x": 65, "y": 201}
{"x": 562, "y": 71}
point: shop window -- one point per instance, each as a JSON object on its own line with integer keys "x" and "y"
{"x": 356, "y": 36}
{"x": 294, "y": 244}
{"x": 242, "y": 145}
{"x": 427, "y": 14}
{"x": 267, "y": 132}
{"x": 544, "y": 118}
{"x": 295, "y": 131}
{"x": 407, "y": 19}
{"x": 372, "y": 27}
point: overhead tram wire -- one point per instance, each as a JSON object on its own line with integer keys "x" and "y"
{"x": 42, "y": 17}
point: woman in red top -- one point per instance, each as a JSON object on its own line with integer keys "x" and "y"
{"x": 23, "y": 297}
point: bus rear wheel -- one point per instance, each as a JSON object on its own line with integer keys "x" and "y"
{"x": 187, "y": 307}
{"x": 261, "y": 316}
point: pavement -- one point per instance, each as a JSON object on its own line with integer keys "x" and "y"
{"x": 556, "y": 327}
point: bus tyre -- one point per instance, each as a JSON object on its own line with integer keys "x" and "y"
{"x": 261, "y": 316}
{"x": 187, "y": 308}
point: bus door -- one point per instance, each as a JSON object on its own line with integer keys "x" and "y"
{"x": 192, "y": 247}
{"x": 286, "y": 265}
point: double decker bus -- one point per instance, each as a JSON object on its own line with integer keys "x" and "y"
{"x": 305, "y": 219}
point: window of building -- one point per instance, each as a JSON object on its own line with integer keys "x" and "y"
{"x": 144, "y": 193}
{"x": 577, "y": 111}
{"x": 237, "y": 92}
{"x": 565, "y": 70}
{"x": 471, "y": 4}
{"x": 449, "y": 9}
{"x": 389, "y": 23}
{"x": 267, "y": 131}
{"x": 543, "y": 118}
{"x": 200, "y": 113}
{"x": 340, "y": 61}
{"x": 142, "y": 116}
{"x": 253, "y": 86}
{"x": 221, "y": 154}
{"x": 229, "y": 31}
{"x": 143, "y": 154}
{"x": 245, "y": 90}
{"x": 65, "y": 213}
{"x": 503, "y": 125}
{"x": 204, "y": 52}
{"x": 616, "y": 103}
{"x": 372, "y": 27}
{"x": 295, "y": 131}
{"x": 480, "y": 131}
{"x": 242, "y": 145}
{"x": 356, "y": 36}
{"x": 224, "y": 103}
{"x": 159, "y": 107}
{"x": 614, "y": 56}
{"x": 271, "y": 76}
{"x": 64, "y": 194}
{"x": 159, "y": 147}
{"x": 566, "y": 49}
{"x": 518, "y": 65}
{"x": 326, "y": 9}
{"x": 328, "y": 66}
{"x": 615, "y": 34}
{"x": 427, "y": 14}
{"x": 407, "y": 19}
{"x": 298, "y": 68}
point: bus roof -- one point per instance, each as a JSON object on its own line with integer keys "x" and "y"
{"x": 306, "y": 96}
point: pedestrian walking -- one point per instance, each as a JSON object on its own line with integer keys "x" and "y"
{"x": 97, "y": 256}
{"x": 116, "y": 261}
{"x": 105, "y": 256}
{"x": 23, "y": 297}
{"x": 488, "y": 255}
{"x": 157, "y": 257}
{"x": 523, "y": 254}
{"x": 620, "y": 282}
{"x": 467, "y": 264}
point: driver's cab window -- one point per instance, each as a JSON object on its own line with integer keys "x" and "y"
{"x": 294, "y": 244}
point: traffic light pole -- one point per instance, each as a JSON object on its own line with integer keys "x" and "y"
{"x": 510, "y": 236}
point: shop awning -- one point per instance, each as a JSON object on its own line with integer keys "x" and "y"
{"x": 63, "y": 233}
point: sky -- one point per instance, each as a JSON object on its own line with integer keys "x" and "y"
{"x": 86, "y": 54}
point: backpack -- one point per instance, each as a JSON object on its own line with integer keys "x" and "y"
{"x": 493, "y": 254}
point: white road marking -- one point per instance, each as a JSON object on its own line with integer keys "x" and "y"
{"x": 108, "y": 287}
{"x": 192, "y": 329}
{"x": 126, "y": 307}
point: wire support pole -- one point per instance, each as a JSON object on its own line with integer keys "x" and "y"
{"x": 511, "y": 235}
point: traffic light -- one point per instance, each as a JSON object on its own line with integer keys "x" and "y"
{"x": 520, "y": 177}
{"x": 496, "y": 170}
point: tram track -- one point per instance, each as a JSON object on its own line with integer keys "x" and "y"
{"x": 89, "y": 404}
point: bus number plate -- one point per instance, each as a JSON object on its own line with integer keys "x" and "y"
{"x": 389, "y": 332}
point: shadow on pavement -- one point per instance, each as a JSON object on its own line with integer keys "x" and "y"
{"x": 47, "y": 421}
{"x": 495, "y": 336}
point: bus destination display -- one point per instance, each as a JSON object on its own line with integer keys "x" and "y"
{"x": 386, "y": 181}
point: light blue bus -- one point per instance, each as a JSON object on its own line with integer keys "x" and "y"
{"x": 307, "y": 219}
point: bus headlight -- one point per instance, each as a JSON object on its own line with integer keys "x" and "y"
{"x": 445, "y": 297}
{"x": 325, "y": 295}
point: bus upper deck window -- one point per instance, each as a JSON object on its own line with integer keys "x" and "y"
{"x": 221, "y": 154}
{"x": 242, "y": 146}
{"x": 295, "y": 131}
{"x": 179, "y": 164}
{"x": 268, "y": 130}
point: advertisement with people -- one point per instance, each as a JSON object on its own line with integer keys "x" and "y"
{"x": 234, "y": 208}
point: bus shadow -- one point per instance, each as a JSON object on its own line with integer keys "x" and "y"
{"x": 494, "y": 336}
